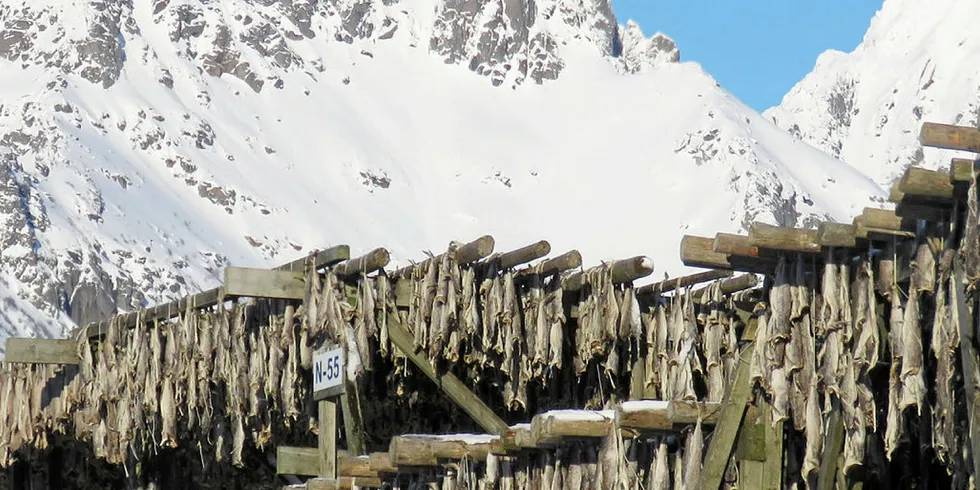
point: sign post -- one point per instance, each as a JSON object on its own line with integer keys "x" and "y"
{"x": 329, "y": 372}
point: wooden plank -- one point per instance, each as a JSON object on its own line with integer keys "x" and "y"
{"x": 625, "y": 270}
{"x": 950, "y": 137}
{"x": 320, "y": 258}
{"x": 303, "y": 461}
{"x": 830, "y": 234}
{"x": 882, "y": 218}
{"x": 41, "y": 351}
{"x": 962, "y": 170}
{"x": 350, "y": 405}
{"x": 697, "y": 251}
{"x": 763, "y": 235}
{"x": 264, "y": 283}
{"x": 523, "y": 255}
{"x": 968, "y": 356}
{"x": 929, "y": 184}
{"x": 773, "y": 466}
{"x": 450, "y": 384}
{"x": 684, "y": 281}
{"x": 325, "y": 484}
{"x": 327, "y": 438}
{"x": 365, "y": 264}
{"x": 832, "y": 448}
{"x": 751, "y": 442}
{"x": 733, "y": 409}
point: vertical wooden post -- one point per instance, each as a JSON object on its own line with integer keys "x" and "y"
{"x": 968, "y": 359}
{"x": 833, "y": 446}
{"x": 733, "y": 410}
{"x": 328, "y": 438}
{"x": 353, "y": 423}
{"x": 773, "y": 479}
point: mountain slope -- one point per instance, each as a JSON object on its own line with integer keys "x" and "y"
{"x": 147, "y": 146}
{"x": 915, "y": 64}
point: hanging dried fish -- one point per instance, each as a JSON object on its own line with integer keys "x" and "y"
{"x": 945, "y": 344}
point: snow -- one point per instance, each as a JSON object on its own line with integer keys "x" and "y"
{"x": 610, "y": 164}
{"x": 581, "y": 415}
{"x": 470, "y": 439}
{"x": 644, "y": 405}
{"x": 915, "y": 64}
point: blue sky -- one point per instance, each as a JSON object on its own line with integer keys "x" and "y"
{"x": 756, "y": 49}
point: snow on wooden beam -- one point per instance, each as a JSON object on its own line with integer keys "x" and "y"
{"x": 427, "y": 450}
{"x": 626, "y": 270}
{"x": 365, "y": 264}
{"x": 764, "y": 235}
{"x": 830, "y": 234}
{"x": 927, "y": 184}
{"x": 664, "y": 415}
{"x": 950, "y": 137}
{"x": 550, "y": 428}
{"x": 685, "y": 281}
{"x": 523, "y": 255}
{"x": 41, "y": 351}
{"x": 264, "y": 283}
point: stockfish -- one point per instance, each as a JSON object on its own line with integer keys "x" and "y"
{"x": 945, "y": 344}
{"x": 714, "y": 325}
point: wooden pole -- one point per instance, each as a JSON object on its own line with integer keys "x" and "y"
{"x": 367, "y": 263}
{"x": 523, "y": 255}
{"x": 930, "y": 184}
{"x": 763, "y": 235}
{"x": 328, "y": 438}
{"x": 696, "y": 251}
{"x": 621, "y": 271}
{"x": 832, "y": 448}
{"x": 567, "y": 261}
{"x": 734, "y": 284}
{"x": 722, "y": 441}
{"x": 466, "y": 254}
{"x": 950, "y": 137}
{"x": 685, "y": 281}
{"x": 730, "y": 244}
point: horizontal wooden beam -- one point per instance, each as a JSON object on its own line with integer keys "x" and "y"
{"x": 523, "y": 255}
{"x": 733, "y": 285}
{"x": 302, "y": 461}
{"x": 895, "y": 193}
{"x": 365, "y": 264}
{"x": 830, "y": 234}
{"x": 962, "y": 170}
{"x": 467, "y": 253}
{"x": 625, "y": 270}
{"x": 731, "y": 244}
{"x": 427, "y": 450}
{"x": 950, "y": 137}
{"x": 41, "y": 351}
{"x": 553, "y": 427}
{"x": 264, "y": 283}
{"x": 764, "y": 235}
{"x": 927, "y": 184}
{"x": 696, "y": 251}
{"x": 211, "y": 297}
{"x": 685, "y": 281}
{"x": 664, "y": 415}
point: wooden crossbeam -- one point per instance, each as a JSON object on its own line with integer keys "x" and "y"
{"x": 830, "y": 234}
{"x": 927, "y": 184}
{"x": 732, "y": 244}
{"x": 211, "y": 297}
{"x": 450, "y": 384}
{"x": 551, "y": 428}
{"x": 41, "y": 351}
{"x": 950, "y": 137}
{"x": 523, "y": 255}
{"x": 466, "y": 254}
{"x": 426, "y": 450}
{"x": 733, "y": 285}
{"x": 962, "y": 170}
{"x": 365, "y": 264}
{"x": 764, "y": 235}
{"x": 685, "y": 281}
{"x": 697, "y": 251}
{"x": 302, "y": 461}
{"x": 665, "y": 415}
{"x": 564, "y": 262}
{"x": 264, "y": 283}
{"x": 625, "y": 270}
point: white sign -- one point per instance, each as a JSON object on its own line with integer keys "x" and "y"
{"x": 328, "y": 372}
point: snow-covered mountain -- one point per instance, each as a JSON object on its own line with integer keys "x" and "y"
{"x": 917, "y": 63}
{"x": 145, "y": 145}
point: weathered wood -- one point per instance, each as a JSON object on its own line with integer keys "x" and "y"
{"x": 381, "y": 463}
{"x": 348, "y": 465}
{"x": 664, "y": 415}
{"x": 895, "y": 193}
{"x": 961, "y": 170}
{"x": 475, "y": 250}
{"x": 350, "y": 407}
{"x": 730, "y": 244}
{"x": 327, "y": 438}
{"x": 830, "y": 234}
{"x": 733, "y": 285}
{"x": 950, "y": 137}
{"x": 773, "y": 479}
{"x": 910, "y": 210}
{"x": 763, "y": 235}
{"x": 523, "y": 255}
{"x": 968, "y": 356}
{"x": 264, "y": 283}
{"x": 722, "y": 441}
{"x": 304, "y": 461}
{"x": 41, "y": 351}
{"x": 427, "y": 450}
{"x": 751, "y": 442}
{"x": 553, "y": 427}
{"x": 929, "y": 184}
{"x": 832, "y": 447}
{"x": 626, "y": 270}
{"x": 366, "y": 264}
{"x": 685, "y": 281}
{"x": 696, "y": 251}
{"x": 566, "y": 261}
{"x": 517, "y": 437}
{"x": 324, "y": 484}
{"x": 450, "y": 384}
{"x": 881, "y": 218}
{"x": 211, "y": 297}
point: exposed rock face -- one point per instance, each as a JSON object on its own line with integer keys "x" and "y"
{"x": 915, "y": 64}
